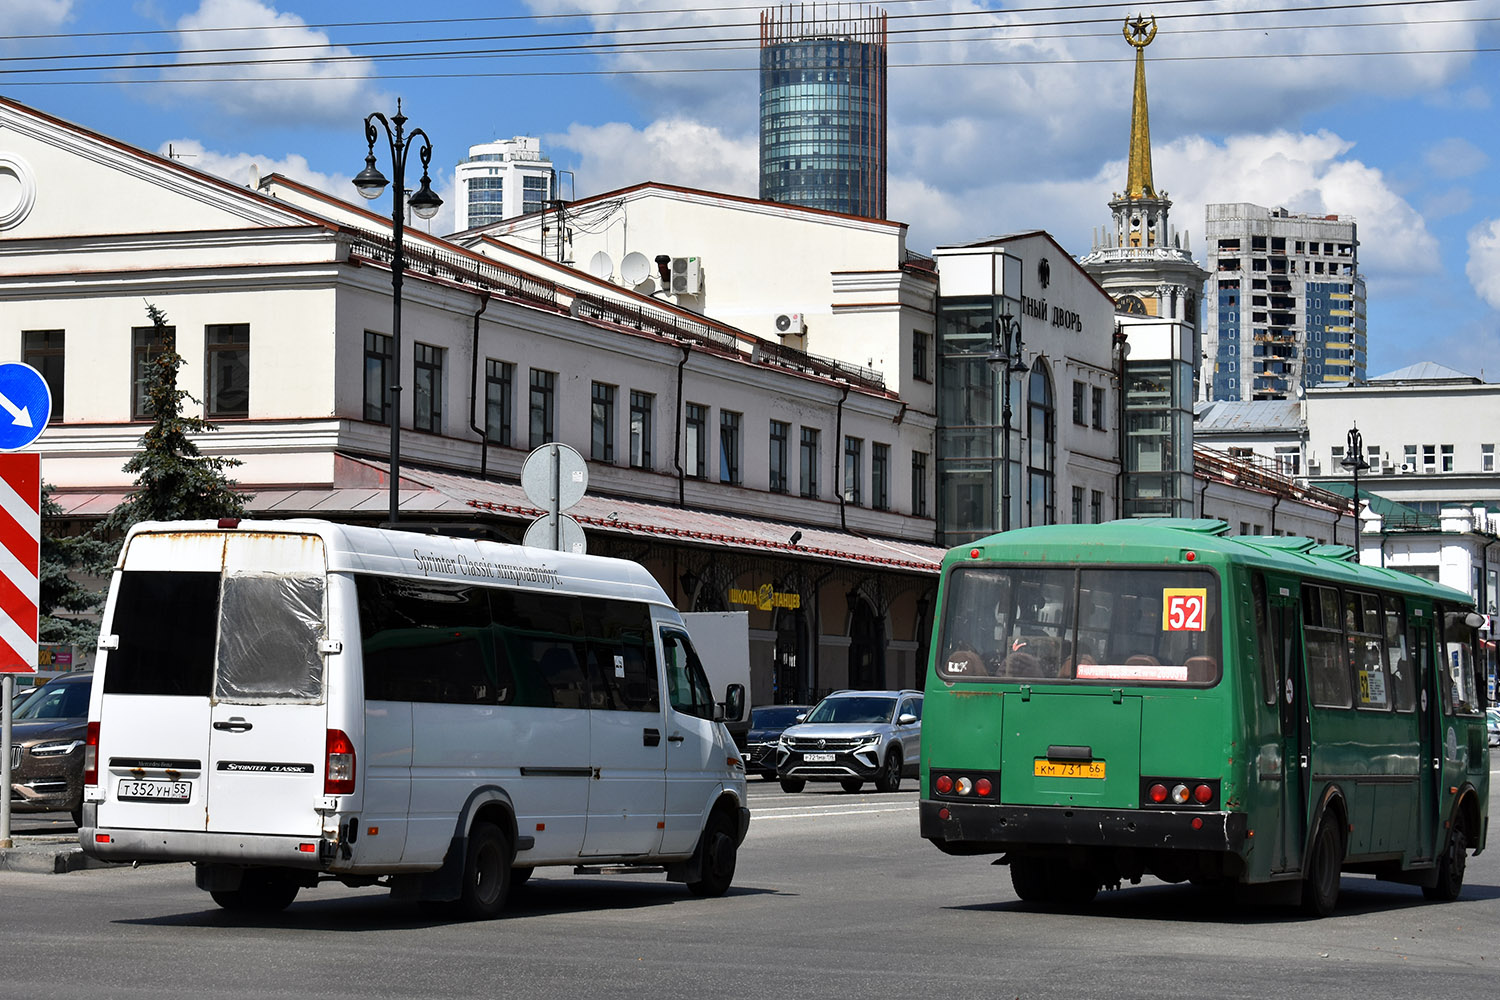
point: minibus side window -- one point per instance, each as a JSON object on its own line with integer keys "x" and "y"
{"x": 426, "y": 642}
{"x": 167, "y": 624}
{"x": 687, "y": 685}
{"x": 268, "y": 639}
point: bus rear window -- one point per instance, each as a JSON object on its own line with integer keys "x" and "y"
{"x": 166, "y": 624}
{"x": 1136, "y": 626}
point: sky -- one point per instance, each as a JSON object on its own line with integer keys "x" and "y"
{"x": 1003, "y": 117}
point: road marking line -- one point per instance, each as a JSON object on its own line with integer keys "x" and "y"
{"x": 759, "y": 814}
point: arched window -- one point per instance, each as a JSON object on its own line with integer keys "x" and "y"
{"x": 1041, "y": 447}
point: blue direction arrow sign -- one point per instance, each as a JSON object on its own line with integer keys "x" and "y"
{"x": 25, "y": 405}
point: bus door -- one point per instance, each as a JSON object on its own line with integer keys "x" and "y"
{"x": 1286, "y": 639}
{"x": 1429, "y": 729}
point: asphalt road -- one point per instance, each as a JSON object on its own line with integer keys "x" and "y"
{"x": 836, "y": 896}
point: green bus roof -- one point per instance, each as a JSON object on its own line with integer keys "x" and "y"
{"x": 1156, "y": 539}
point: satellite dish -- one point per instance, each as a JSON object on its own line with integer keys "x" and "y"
{"x": 635, "y": 268}
{"x": 601, "y": 267}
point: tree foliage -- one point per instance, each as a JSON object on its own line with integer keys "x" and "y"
{"x": 65, "y": 604}
{"x": 173, "y": 480}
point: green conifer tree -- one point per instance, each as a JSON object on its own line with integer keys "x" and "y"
{"x": 62, "y": 598}
{"x": 173, "y": 480}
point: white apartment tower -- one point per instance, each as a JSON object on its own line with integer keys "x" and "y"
{"x": 1285, "y": 303}
{"x": 501, "y": 180}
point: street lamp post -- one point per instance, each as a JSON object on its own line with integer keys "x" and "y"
{"x": 1005, "y": 359}
{"x": 1354, "y": 460}
{"x": 370, "y": 182}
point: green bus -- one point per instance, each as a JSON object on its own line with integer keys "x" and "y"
{"x": 1154, "y": 696}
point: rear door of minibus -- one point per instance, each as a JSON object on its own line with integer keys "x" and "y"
{"x": 212, "y": 715}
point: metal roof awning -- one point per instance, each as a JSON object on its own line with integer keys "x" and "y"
{"x": 454, "y": 495}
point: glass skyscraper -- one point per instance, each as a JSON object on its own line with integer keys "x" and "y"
{"x": 823, "y": 110}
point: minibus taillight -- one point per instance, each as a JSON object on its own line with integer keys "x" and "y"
{"x": 338, "y": 771}
{"x": 91, "y": 755}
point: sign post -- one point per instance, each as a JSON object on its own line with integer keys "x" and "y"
{"x": 555, "y": 477}
{"x": 25, "y": 406}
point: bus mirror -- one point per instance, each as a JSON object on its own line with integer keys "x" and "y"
{"x": 1471, "y": 619}
{"x": 734, "y": 702}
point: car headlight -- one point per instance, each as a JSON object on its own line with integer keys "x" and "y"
{"x": 57, "y": 749}
{"x": 873, "y": 739}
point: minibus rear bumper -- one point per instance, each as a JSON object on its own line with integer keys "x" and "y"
{"x": 313, "y": 853}
{"x": 979, "y": 828}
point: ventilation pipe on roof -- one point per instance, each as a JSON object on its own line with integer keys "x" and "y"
{"x": 677, "y": 433}
{"x": 484, "y": 431}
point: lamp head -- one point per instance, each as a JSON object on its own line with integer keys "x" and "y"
{"x": 370, "y": 182}
{"x": 425, "y": 203}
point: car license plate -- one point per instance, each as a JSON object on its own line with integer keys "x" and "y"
{"x": 818, "y": 758}
{"x": 154, "y": 791}
{"x": 1069, "y": 769}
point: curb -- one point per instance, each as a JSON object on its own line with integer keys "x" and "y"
{"x": 49, "y": 859}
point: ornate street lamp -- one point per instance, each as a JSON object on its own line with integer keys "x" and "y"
{"x": 1354, "y": 460}
{"x": 1005, "y": 359}
{"x": 370, "y": 183}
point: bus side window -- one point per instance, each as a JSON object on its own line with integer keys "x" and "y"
{"x": 687, "y": 686}
{"x": 1327, "y": 666}
{"x": 1398, "y": 656}
{"x": 1268, "y": 679}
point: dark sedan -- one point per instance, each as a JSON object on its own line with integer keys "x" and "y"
{"x": 46, "y": 751}
{"x": 759, "y": 745}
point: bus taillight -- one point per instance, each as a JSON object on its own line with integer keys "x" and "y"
{"x": 943, "y": 784}
{"x": 982, "y": 787}
{"x": 1203, "y": 794}
{"x": 1158, "y": 793}
{"x": 91, "y": 755}
{"x": 338, "y": 772}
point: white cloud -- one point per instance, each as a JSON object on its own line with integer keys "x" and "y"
{"x": 1484, "y": 261}
{"x": 326, "y": 85}
{"x": 1455, "y": 157}
{"x": 671, "y": 151}
{"x": 33, "y": 16}
{"x": 239, "y": 168}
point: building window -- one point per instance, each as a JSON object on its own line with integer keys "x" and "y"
{"x": 854, "y": 456}
{"x": 809, "y": 461}
{"x": 1078, "y": 505}
{"x": 1289, "y": 460}
{"x": 1041, "y": 448}
{"x": 695, "y": 447}
{"x": 921, "y": 348}
{"x": 1080, "y": 404}
{"x": 499, "y": 379}
{"x": 1429, "y": 458}
{"x": 377, "y": 377}
{"x": 729, "y": 448}
{"x": 1099, "y": 422}
{"x": 427, "y": 381}
{"x": 602, "y": 436}
{"x": 226, "y": 359}
{"x": 1096, "y": 506}
{"x": 880, "y": 476}
{"x": 43, "y": 350}
{"x": 779, "y": 433}
{"x": 1409, "y": 457}
{"x": 1447, "y": 458}
{"x": 543, "y": 408}
{"x": 145, "y": 345}
{"x": 1486, "y": 455}
{"x": 919, "y": 483}
{"x": 641, "y": 404}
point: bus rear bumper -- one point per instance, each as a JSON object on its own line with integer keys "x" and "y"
{"x": 976, "y": 828}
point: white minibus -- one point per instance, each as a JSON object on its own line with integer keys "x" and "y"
{"x": 286, "y": 702}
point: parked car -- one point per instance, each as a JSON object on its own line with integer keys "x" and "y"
{"x": 46, "y": 751}
{"x": 852, "y": 737}
{"x": 1492, "y": 722}
{"x": 758, "y": 746}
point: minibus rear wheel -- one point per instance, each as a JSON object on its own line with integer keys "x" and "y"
{"x": 262, "y": 890}
{"x": 486, "y": 872}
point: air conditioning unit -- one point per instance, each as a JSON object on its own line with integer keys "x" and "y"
{"x": 1408, "y": 467}
{"x": 687, "y": 276}
{"x": 790, "y": 325}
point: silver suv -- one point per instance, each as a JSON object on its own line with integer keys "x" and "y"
{"x": 852, "y": 737}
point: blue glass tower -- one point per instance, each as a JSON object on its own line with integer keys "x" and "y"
{"x": 823, "y": 110}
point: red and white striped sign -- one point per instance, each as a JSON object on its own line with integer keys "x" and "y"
{"x": 20, "y": 556}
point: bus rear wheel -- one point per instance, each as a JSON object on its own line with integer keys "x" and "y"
{"x": 262, "y": 890}
{"x": 1450, "y": 881}
{"x": 1035, "y": 881}
{"x": 486, "y": 873}
{"x": 1320, "y": 885}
